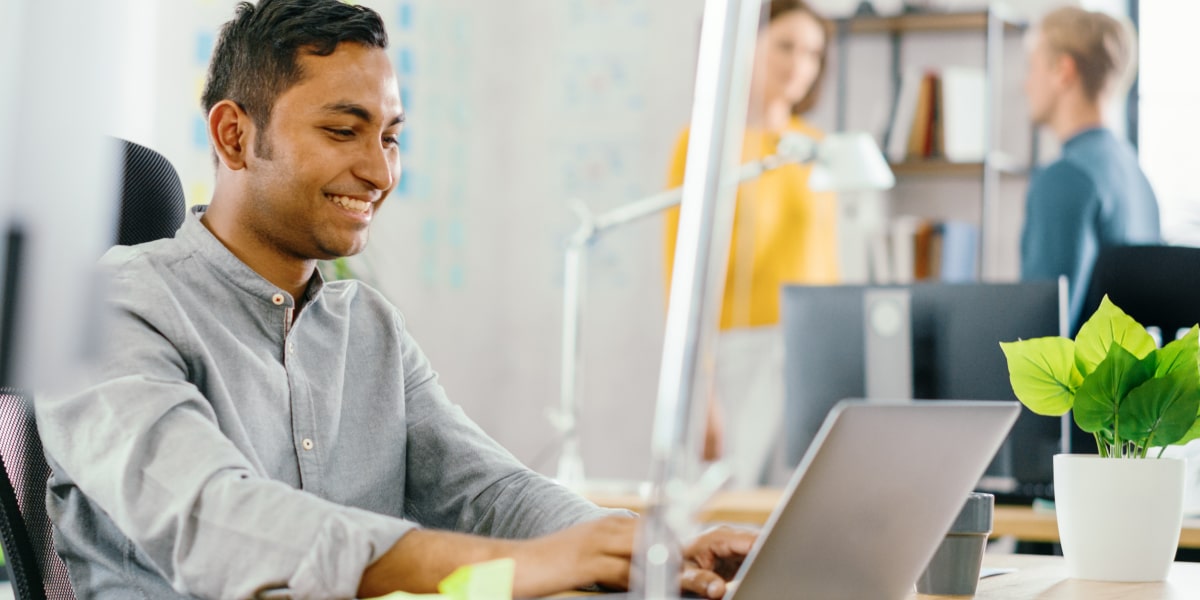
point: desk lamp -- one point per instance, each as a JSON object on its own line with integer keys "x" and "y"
{"x": 842, "y": 162}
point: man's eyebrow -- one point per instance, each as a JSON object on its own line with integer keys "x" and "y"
{"x": 359, "y": 111}
{"x": 349, "y": 108}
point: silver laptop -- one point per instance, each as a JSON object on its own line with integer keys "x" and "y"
{"x": 872, "y": 498}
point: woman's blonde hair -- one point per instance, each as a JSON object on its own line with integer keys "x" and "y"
{"x": 1103, "y": 47}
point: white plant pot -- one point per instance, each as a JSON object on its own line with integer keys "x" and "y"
{"x": 1118, "y": 519}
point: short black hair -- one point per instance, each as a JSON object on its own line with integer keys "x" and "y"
{"x": 255, "y": 59}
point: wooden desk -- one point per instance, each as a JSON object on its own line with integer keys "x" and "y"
{"x": 1045, "y": 578}
{"x": 755, "y": 506}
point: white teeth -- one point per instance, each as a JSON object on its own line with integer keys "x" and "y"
{"x": 350, "y": 203}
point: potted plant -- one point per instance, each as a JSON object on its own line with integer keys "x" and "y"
{"x": 1119, "y": 513}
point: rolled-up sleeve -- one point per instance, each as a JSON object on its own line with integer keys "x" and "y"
{"x": 461, "y": 479}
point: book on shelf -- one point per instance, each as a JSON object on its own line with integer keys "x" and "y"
{"x": 939, "y": 114}
{"x": 912, "y": 249}
{"x": 964, "y": 93}
{"x": 902, "y": 118}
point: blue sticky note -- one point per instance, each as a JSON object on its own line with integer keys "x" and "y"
{"x": 460, "y": 32}
{"x": 406, "y": 16}
{"x": 199, "y": 132}
{"x": 456, "y": 234}
{"x": 429, "y": 232}
{"x": 405, "y": 97}
{"x": 429, "y": 271}
{"x": 405, "y": 141}
{"x": 404, "y": 61}
{"x": 402, "y": 185}
{"x": 204, "y": 47}
{"x": 458, "y": 276}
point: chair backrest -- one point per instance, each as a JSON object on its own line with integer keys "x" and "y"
{"x": 1156, "y": 285}
{"x": 25, "y": 530}
{"x": 152, "y": 202}
{"x": 152, "y": 207}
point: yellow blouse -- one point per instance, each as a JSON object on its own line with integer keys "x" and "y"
{"x": 783, "y": 232}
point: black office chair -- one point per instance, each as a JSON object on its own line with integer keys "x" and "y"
{"x": 1156, "y": 285}
{"x": 152, "y": 202}
{"x": 152, "y": 207}
{"x": 35, "y": 569}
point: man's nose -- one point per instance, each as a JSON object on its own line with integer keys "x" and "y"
{"x": 377, "y": 166}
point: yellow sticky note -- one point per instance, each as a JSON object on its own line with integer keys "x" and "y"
{"x": 408, "y": 596}
{"x": 492, "y": 580}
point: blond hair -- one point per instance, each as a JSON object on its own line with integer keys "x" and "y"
{"x": 1103, "y": 47}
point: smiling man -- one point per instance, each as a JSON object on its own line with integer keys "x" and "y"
{"x": 253, "y": 427}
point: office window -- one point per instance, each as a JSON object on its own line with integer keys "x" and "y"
{"x": 1169, "y": 123}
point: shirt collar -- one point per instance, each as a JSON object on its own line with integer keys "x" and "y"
{"x": 1082, "y": 136}
{"x": 203, "y": 243}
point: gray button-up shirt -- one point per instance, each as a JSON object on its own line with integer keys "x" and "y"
{"x": 223, "y": 448}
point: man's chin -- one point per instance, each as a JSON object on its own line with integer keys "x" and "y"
{"x": 334, "y": 252}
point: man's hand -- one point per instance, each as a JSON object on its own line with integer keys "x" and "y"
{"x": 595, "y": 552}
{"x": 713, "y": 559}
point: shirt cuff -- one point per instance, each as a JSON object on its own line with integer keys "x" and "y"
{"x": 349, "y": 542}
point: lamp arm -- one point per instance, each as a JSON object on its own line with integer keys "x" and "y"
{"x": 565, "y": 419}
{"x": 651, "y": 205}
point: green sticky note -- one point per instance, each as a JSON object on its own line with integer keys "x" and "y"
{"x": 492, "y": 580}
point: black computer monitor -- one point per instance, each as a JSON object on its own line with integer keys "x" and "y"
{"x": 955, "y": 334}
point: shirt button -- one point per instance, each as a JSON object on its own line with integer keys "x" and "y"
{"x": 277, "y": 299}
{"x": 291, "y": 348}
{"x": 307, "y": 444}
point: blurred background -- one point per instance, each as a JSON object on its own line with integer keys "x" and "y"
{"x": 516, "y": 108}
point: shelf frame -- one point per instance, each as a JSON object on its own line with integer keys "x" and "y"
{"x": 930, "y": 22}
{"x": 993, "y": 23}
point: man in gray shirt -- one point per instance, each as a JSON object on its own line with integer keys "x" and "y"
{"x": 252, "y": 426}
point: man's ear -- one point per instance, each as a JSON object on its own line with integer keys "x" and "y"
{"x": 1065, "y": 70}
{"x": 230, "y": 129}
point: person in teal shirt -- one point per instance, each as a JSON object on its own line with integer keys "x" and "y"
{"x": 1095, "y": 195}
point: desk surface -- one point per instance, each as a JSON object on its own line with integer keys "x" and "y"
{"x": 755, "y": 506}
{"x": 1045, "y": 578}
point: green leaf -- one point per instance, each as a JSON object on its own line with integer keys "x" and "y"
{"x": 1043, "y": 374}
{"x": 1107, "y": 325}
{"x": 1160, "y": 411}
{"x": 1193, "y": 433}
{"x": 1098, "y": 401}
{"x": 1180, "y": 354}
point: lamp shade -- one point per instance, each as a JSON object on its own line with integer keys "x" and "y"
{"x": 849, "y": 162}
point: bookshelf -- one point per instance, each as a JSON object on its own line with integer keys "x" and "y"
{"x": 921, "y": 22}
{"x": 994, "y": 26}
{"x": 1004, "y": 163}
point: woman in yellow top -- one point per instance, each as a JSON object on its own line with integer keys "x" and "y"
{"x": 783, "y": 233}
